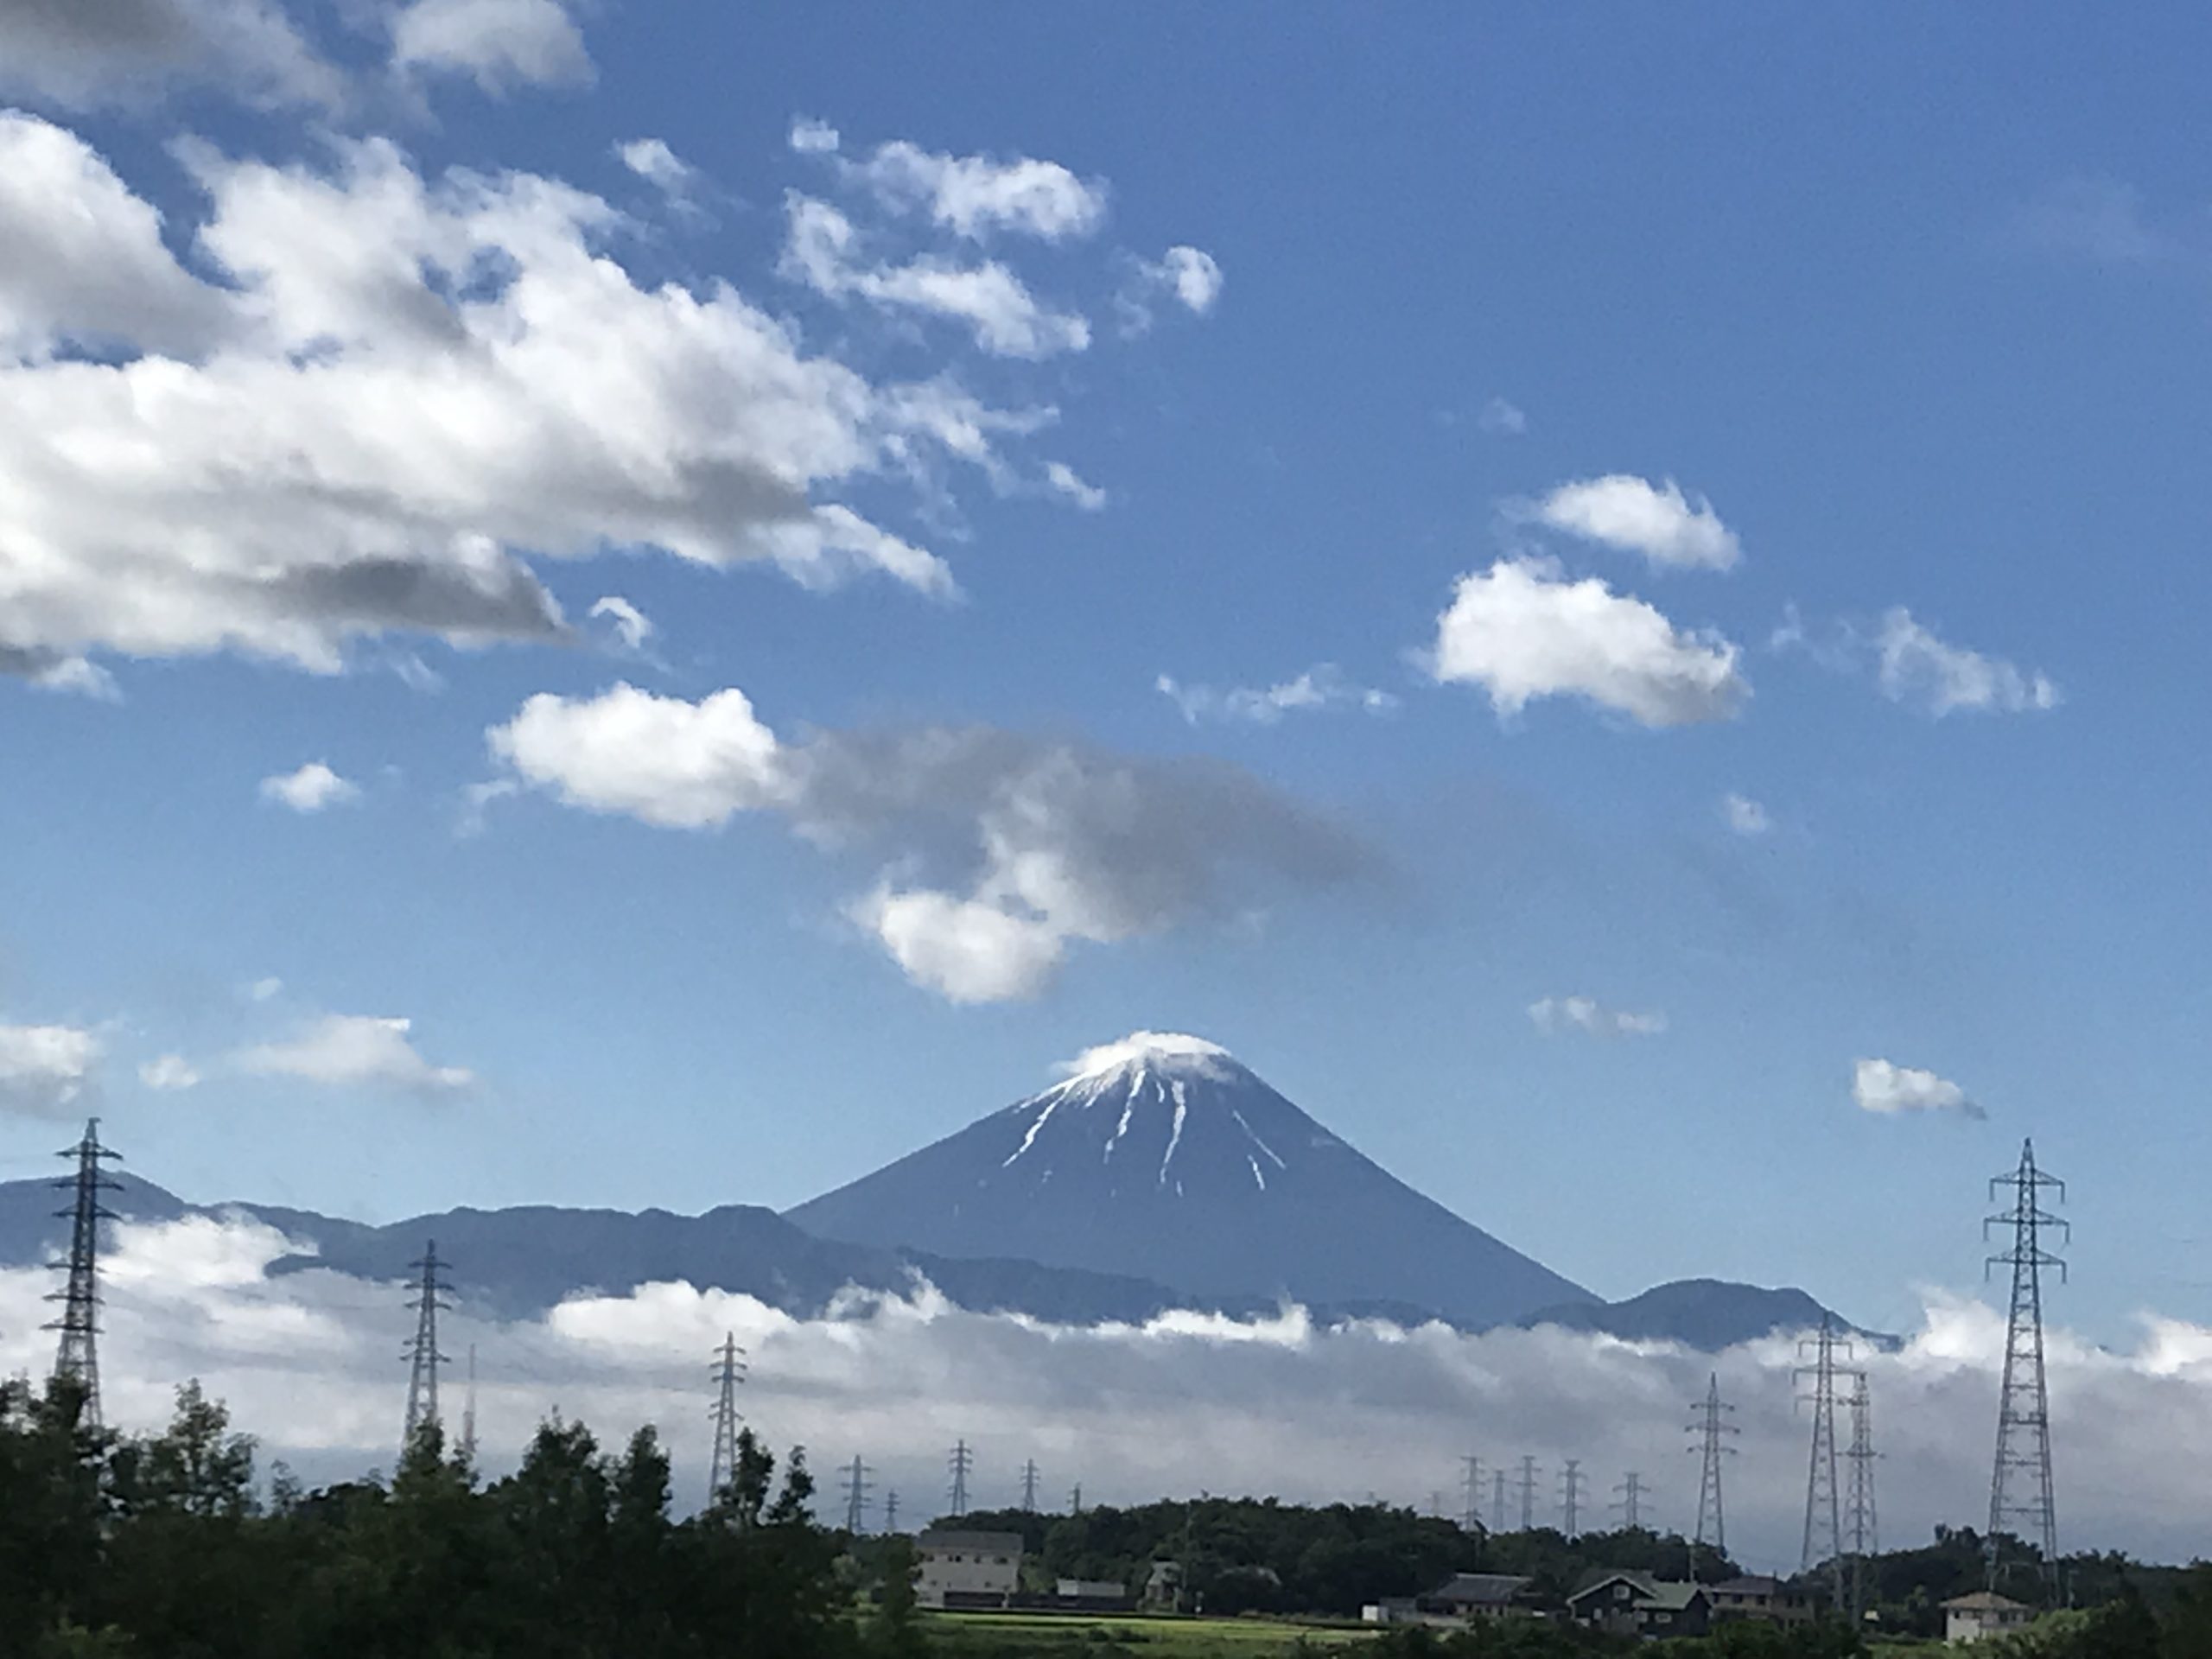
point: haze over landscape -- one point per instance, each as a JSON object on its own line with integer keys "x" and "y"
{"x": 1241, "y": 758}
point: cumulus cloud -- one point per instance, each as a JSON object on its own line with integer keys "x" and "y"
{"x": 499, "y": 44}
{"x": 1521, "y": 631}
{"x": 811, "y": 137}
{"x": 1744, "y": 815}
{"x": 1633, "y": 515}
{"x": 170, "y": 1072}
{"x": 1191, "y": 276}
{"x": 823, "y": 250}
{"x": 1917, "y": 667}
{"x": 351, "y": 1050}
{"x": 1323, "y": 686}
{"x": 1182, "y": 1402}
{"x": 311, "y": 789}
{"x": 402, "y": 390}
{"x": 83, "y": 55}
{"x": 1557, "y": 1013}
{"x": 1502, "y": 419}
{"x": 974, "y": 196}
{"x": 45, "y": 1070}
{"x": 1889, "y": 1090}
{"x": 1000, "y": 850}
{"x": 652, "y": 159}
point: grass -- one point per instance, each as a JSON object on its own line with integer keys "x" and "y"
{"x": 1019, "y": 1636}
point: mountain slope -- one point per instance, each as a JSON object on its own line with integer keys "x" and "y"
{"x": 1708, "y": 1314}
{"x": 1164, "y": 1158}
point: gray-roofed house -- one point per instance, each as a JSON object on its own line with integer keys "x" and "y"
{"x": 1636, "y": 1604}
{"x": 967, "y": 1569}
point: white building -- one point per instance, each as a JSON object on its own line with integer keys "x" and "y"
{"x": 967, "y": 1569}
{"x": 1982, "y": 1615}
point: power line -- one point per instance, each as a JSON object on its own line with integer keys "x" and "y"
{"x": 1572, "y": 1485}
{"x": 1470, "y": 1485}
{"x": 961, "y": 1463}
{"x": 1713, "y": 1431}
{"x": 422, "y": 1349}
{"x": 76, "y": 1358}
{"x": 1632, "y": 1491}
{"x": 1823, "y": 1512}
{"x": 728, "y": 1372}
{"x": 857, "y": 1487}
{"x": 2023, "y": 1402}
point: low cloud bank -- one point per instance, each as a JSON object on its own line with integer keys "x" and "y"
{"x": 1184, "y": 1403}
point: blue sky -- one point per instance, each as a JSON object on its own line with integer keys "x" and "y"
{"x": 1910, "y": 308}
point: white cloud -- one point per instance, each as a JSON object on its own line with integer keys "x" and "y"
{"x": 679, "y": 764}
{"x": 652, "y": 159}
{"x": 823, "y": 251}
{"x": 1879, "y": 1086}
{"x": 1633, "y": 515}
{"x": 1502, "y": 419}
{"x": 311, "y": 789}
{"x": 1180, "y": 1403}
{"x": 261, "y": 476}
{"x": 814, "y": 137}
{"x": 348, "y": 1050}
{"x": 1557, "y": 1014}
{"x": 92, "y": 54}
{"x": 45, "y": 1070}
{"x": 1000, "y": 850}
{"x": 1192, "y": 275}
{"x": 2103, "y": 220}
{"x": 499, "y": 44}
{"x": 1917, "y": 667}
{"x": 1063, "y": 479}
{"x": 1744, "y": 816}
{"x": 1521, "y": 631}
{"x": 974, "y": 196}
{"x": 631, "y": 625}
{"x": 1323, "y": 686}
{"x": 263, "y": 990}
{"x": 76, "y": 675}
{"x": 170, "y": 1071}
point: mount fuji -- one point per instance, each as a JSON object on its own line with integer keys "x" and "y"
{"x": 1163, "y": 1158}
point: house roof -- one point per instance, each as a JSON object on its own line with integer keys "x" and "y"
{"x": 971, "y": 1544}
{"x": 1985, "y": 1601}
{"x": 1749, "y": 1584}
{"x": 1666, "y": 1594}
{"x": 1481, "y": 1589}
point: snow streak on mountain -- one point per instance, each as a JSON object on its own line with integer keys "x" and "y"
{"x": 1162, "y": 1156}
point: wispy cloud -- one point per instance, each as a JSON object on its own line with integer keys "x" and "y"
{"x": 1323, "y": 686}
{"x": 1551, "y": 1015}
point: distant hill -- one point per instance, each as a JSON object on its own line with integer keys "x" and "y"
{"x": 1708, "y": 1314}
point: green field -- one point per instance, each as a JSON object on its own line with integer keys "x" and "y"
{"x": 1046, "y": 1636}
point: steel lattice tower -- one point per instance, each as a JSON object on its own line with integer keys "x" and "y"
{"x": 961, "y": 1463}
{"x": 1823, "y": 1500}
{"x": 1633, "y": 1493}
{"x": 1075, "y": 1499}
{"x": 1572, "y": 1484}
{"x": 1860, "y": 1523}
{"x": 1497, "y": 1498}
{"x": 77, "y": 1355}
{"x": 1029, "y": 1487}
{"x": 2024, "y": 1404}
{"x": 857, "y": 1487}
{"x": 1528, "y": 1494}
{"x": 1712, "y": 1429}
{"x": 728, "y": 1372}
{"x": 421, "y": 1351}
{"x": 890, "y": 1512}
{"x": 468, "y": 1413}
{"x": 1471, "y": 1490}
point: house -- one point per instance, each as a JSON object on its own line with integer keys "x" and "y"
{"x": 1163, "y": 1585}
{"x": 1089, "y": 1596}
{"x": 1982, "y": 1615}
{"x": 1471, "y": 1596}
{"x": 1766, "y": 1600}
{"x": 1636, "y": 1604}
{"x": 967, "y": 1569}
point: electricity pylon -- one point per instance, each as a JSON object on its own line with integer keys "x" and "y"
{"x": 1528, "y": 1494}
{"x": 1573, "y": 1482}
{"x": 961, "y": 1463}
{"x": 1497, "y": 1497}
{"x": 890, "y": 1512}
{"x": 468, "y": 1413}
{"x": 2023, "y": 1403}
{"x": 1029, "y": 1487}
{"x": 1823, "y": 1502}
{"x": 1633, "y": 1493}
{"x": 729, "y": 1371}
{"x": 422, "y": 1349}
{"x": 1471, "y": 1518}
{"x": 1860, "y": 1523}
{"x": 76, "y": 1358}
{"x": 857, "y": 1487}
{"x": 1713, "y": 1431}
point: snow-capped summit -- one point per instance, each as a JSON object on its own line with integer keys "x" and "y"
{"x": 1162, "y": 1156}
